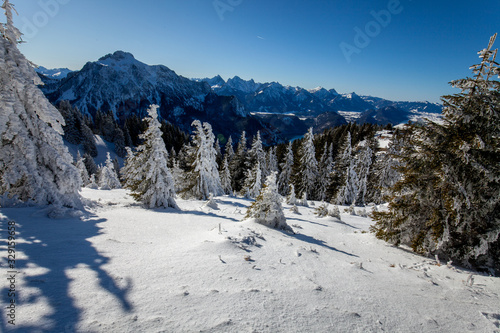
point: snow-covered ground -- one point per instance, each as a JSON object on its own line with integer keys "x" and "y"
{"x": 122, "y": 268}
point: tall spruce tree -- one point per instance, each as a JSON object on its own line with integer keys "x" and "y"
{"x": 308, "y": 167}
{"x": 272, "y": 160}
{"x": 237, "y": 164}
{"x": 225, "y": 177}
{"x": 255, "y": 155}
{"x": 80, "y": 164}
{"x": 364, "y": 162}
{"x": 35, "y": 165}
{"x": 229, "y": 150}
{"x": 325, "y": 172}
{"x": 146, "y": 173}
{"x": 346, "y": 170}
{"x": 385, "y": 172}
{"x": 253, "y": 181}
{"x": 203, "y": 179}
{"x": 286, "y": 171}
{"x": 447, "y": 202}
{"x": 108, "y": 176}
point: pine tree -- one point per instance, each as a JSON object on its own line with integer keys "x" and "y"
{"x": 267, "y": 209}
{"x": 203, "y": 179}
{"x": 89, "y": 164}
{"x": 128, "y": 167}
{"x": 35, "y": 165}
{"x": 291, "y": 199}
{"x": 88, "y": 141}
{"x": 237, "y": 164}
{"x": 108, "y": 177}
{"x": 225, "y": 177}
{"x": 447, "y": 202}
{"x": 363, "y": 168}
{"x": 308, "y": 167}
{"x": 80, "y": 164}
{"x": 218, "y": 152}
{"x": 178, "y": 175}
{"x": 253, "y": 182}
{"x": 286, "y": 171}
{"x": 385, "y": 172}
{"x": 228, "y": 150}
{"x": 92, "y": 183}
{"x": 255, "y": 155}
{"x": 146, "y": 173}
{"x": 346, "y": 166}
{"x": 272, "y": 160}
{"x": 325, "y": 172}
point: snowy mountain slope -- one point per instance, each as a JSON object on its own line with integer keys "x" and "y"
{"x": 54, "y": 73}
{"x": 103, "y": 148}
{"x": 119, "y": 83}
{"x": 276, "y": 98}
{"x": 121, "y": 268}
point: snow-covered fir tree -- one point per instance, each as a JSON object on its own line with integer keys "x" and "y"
{"x": 146, "y": 172}
{"x": 237, "y": 164}
{"x": 255, "y": 155}
{"x": 229, "y": 150}
{"x": 272, "y": 160}
{"x": 346, "y": 166}
{"x": 303, "y": 201}
{"x": 92, "y": 182}
{"x": 225, "y": 177}
{"x": 286, "y": 171}
{"x": 447, "y": 202}
{"x": 385, "y": 172}
{"x": 253, "y": 181}
{"x": 178, "y": 175}
{"x": 291, "y": 199}
{"x": 203, "y": 179}
{"x": 35, "y": 165}
{"x": 80, "y": 164}
{"x": 308, "y": 166}
{"x": 364, "y": 157}
{"x": 127, "y": 168}
{"x": 267, "y": 209}
{"x": 108, "y": 177}
{"x": 325, "y": 172}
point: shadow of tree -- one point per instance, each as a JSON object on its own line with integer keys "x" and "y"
{"x": 333, "y": 220}
{"x": 56, "y": 246}
{"x": 312, "y": 240}
{"x": 197, "y": 213}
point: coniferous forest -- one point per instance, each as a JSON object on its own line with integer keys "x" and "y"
{"x": 250, "y": 232}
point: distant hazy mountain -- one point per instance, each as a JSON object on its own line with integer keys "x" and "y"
{"x": 276, "y": 98}
{"x": 119, "y": 83}
{"x": 56, "y": 73}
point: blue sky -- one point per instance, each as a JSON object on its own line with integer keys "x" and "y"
{"x": 410, "y": 53}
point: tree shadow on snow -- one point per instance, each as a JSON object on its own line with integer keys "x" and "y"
{"x": 204, "y": 214}
{"x": 333, "y": 220}
{"x": 230, "y": 202}
{"x": 52, "y": 247}
{"x": 314, "y": 241}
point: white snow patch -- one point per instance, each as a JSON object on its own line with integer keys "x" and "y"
{"x": 122, "y": 268}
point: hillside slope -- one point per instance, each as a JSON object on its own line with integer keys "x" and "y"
{"x": 121, "y": 268}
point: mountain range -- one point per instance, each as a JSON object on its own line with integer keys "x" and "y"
{"x": 123, "y": 85}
